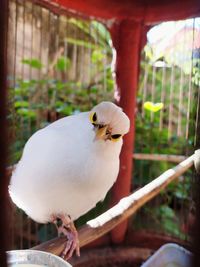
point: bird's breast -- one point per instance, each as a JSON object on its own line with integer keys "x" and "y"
{"x": 99, "y": 171}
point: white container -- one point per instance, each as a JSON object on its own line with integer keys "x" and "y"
{"x": 34, "y": 258}
{"x": 169, "y": 255}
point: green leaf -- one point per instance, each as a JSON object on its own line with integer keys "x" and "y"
{"x": 65, "y": 110}
{"x": 63, "y": 64}
{"x": 60, "y": 85}
{"x": 21, "y": 104}
{"x": 26, "y": 113}
{"x": 154, "y": 107}
{"x": 19, "y": 91}
{"x": 16, "y": 156}
{"x": 82, "y": 93}
{"x": 82, "y": 25}
{"x": 100, "y": 33}
{"x": 97, "y": 56}
{"x": 34, "y": 63}
{"x": 42, "y": 82}
{"x": 59, "y": 104}
{"x": 80, "y": 43}
{"x": 166, "y": 211}
{"x": 171, "y": 227}
{"x": 181, "y": 194}
{"x": 94, "y": 90}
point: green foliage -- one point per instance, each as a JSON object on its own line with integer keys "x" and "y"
{"x": 196, "y": 72}
{"x": 34, "y": 103}
{"x": 34, "y": 63}
{"x": 97, "y": 56}
{"x": 168, "y": 219}
{"x": 63, "y": 64}
{"x": 21, "y": 104}
{"x": 81, "y": 43}
{"x": 162, "y": 215}
{"x": 26, "y": 113}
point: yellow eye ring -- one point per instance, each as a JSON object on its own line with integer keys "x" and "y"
{"x": 115, "y": 137}
{"x": 93, "y": 117}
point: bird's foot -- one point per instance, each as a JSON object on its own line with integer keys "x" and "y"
{"x": 68, "y": 229}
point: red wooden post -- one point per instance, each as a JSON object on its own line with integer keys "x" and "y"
{"x": 127, "y": 38}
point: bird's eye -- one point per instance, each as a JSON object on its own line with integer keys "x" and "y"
{"x": 115, "y": 137}
{"x": 93, "y": 117}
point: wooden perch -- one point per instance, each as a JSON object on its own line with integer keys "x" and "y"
{"x": 120, "y": 212}
{"x": 159, "y": 157}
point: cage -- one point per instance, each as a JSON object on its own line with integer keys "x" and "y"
{"x": 63, "y": 59}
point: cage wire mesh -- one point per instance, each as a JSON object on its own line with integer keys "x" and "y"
{"x": 168, "y": 103}
{"x": 60, "y": 65}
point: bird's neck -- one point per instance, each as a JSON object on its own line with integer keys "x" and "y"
{"x": 107, "y": 148}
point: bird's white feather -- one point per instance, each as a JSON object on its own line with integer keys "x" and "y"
{"x": 64, "y": 170}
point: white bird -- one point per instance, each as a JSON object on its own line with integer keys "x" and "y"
{"x": 69, "y": 166}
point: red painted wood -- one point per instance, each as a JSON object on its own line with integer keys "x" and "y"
{"x": 149, "y": 12}
{"x": 127, "y": 39}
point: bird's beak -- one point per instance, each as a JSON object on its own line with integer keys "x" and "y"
{"x": 101, "y": 132}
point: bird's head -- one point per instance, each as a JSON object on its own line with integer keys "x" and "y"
{"x": 109, "y": 121}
